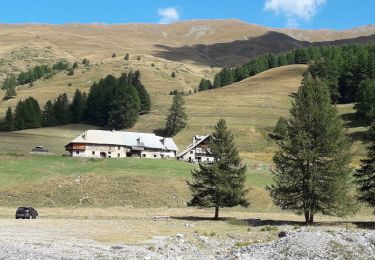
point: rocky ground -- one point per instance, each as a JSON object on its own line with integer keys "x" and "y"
{"x": 302, "y": 243}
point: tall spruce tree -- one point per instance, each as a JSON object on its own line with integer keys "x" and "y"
{"x": 8, "y": 123}
{"x": 48, "y": 115}
{"x": 19, "y": 116}
{"x": 366, "y": 101}
{"x": 144, "y": 97}
{"x": 365, "y": 176}
{"x": 312, "y": 172}
{"x": 77, "y": 107}
{"x": 176, "y": 118}
{"x": 221, "y": 183}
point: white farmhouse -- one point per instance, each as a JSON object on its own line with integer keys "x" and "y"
{"x": 117, "y": 144}
{"x": 198, "y": 150}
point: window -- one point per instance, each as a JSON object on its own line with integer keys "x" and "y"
{"x": 77, "y": 152}
{"x": 155, "y": 155}
{"x": 143, "y": 155}
{"x": 191, "y": 152}
{"x": 93, "y": 153}
{"x": 118, "y": 147}
{"x": 109, "y": 152}
{"x": 118, "y": 155}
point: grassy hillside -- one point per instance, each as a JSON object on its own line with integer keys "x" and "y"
{"x": 251, "y": 107}
{"x": 49, "y": 181}
{"x": 156, "y": 78}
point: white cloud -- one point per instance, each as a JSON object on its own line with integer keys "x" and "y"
{"x": 295, "y": 10}
{"x": 168, "y": 15}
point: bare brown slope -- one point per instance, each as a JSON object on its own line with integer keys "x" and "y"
{"x": 30, "y": 44}
{"x": 328, "y": 35}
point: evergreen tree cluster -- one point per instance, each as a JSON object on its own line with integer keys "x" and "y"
{"x": 342, "y": 67}
{"x": 205, "y": 84}
{"x": 113, "y": 102}
{"x": 27, "y": 114}
{"x": 33, "y": 74}
{"x": 117, "y": 102}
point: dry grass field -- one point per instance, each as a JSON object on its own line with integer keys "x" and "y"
{"x": 130, "y": 225}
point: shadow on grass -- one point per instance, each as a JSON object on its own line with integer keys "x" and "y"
{"x": 352, "y": 120}
{"x": 195, "y": 218}
{"x": 359, "y": 136}
{"x": 256, "y": 222}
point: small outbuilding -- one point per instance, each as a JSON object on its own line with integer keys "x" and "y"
{"x": 198, "y": 150}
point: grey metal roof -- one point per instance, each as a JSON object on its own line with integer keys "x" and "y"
{"x": 130, "y": 139}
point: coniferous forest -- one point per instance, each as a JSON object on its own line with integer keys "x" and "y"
{"x": 349, "y": 72}
{"x": 112, "y": 102}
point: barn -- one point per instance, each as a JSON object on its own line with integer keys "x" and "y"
{"x": 118, "y": 144}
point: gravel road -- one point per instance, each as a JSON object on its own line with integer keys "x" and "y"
{"x": 31, "y": 240}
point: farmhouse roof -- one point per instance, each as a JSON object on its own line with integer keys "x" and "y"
{"x": 131, "y": 139}
{"x": 193, "y": 145}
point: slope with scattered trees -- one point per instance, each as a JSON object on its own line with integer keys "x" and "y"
{"x": 112, "y": 102}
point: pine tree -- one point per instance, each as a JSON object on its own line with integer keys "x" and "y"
{"x": 126, "y": 56}
{"x": 144, "y": 97}
{"x": 221, "y": 183}
{"x": 365, "y": 176}
{"x": 113, "y": 55}
{"x": 10, "y": 82}
{"x": 8, "y": 123}
{"x": 217, "y": 83}
{"x": 61, "y": 110}
{"x": 19, "y": 120}
{"x": 10, "y": 93}
{"x": 366, "y": 102}
{"x": 281, "y": 129}
{"x": 176, "y": 119}
{"x": 32, "y": 114}
{"x": 312, "y": 164}
{"x": 48, "y": 115}
{"x": 77, "y": 107}
{"x": 204, "y": 84}
{"x": 124, "y": 109}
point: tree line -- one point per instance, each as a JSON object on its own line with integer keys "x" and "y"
{"x": 312, "y": 172}
{"x": 35, "y": 73}
{"x": 342, "y": 67}
{"x": 112, "y": 102}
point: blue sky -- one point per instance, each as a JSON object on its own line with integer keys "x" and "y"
{"x": 309, "y": 14}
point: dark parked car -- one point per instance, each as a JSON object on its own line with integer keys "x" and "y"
{"x": 26, "y": 212}
{"x": 39, "y": 149}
